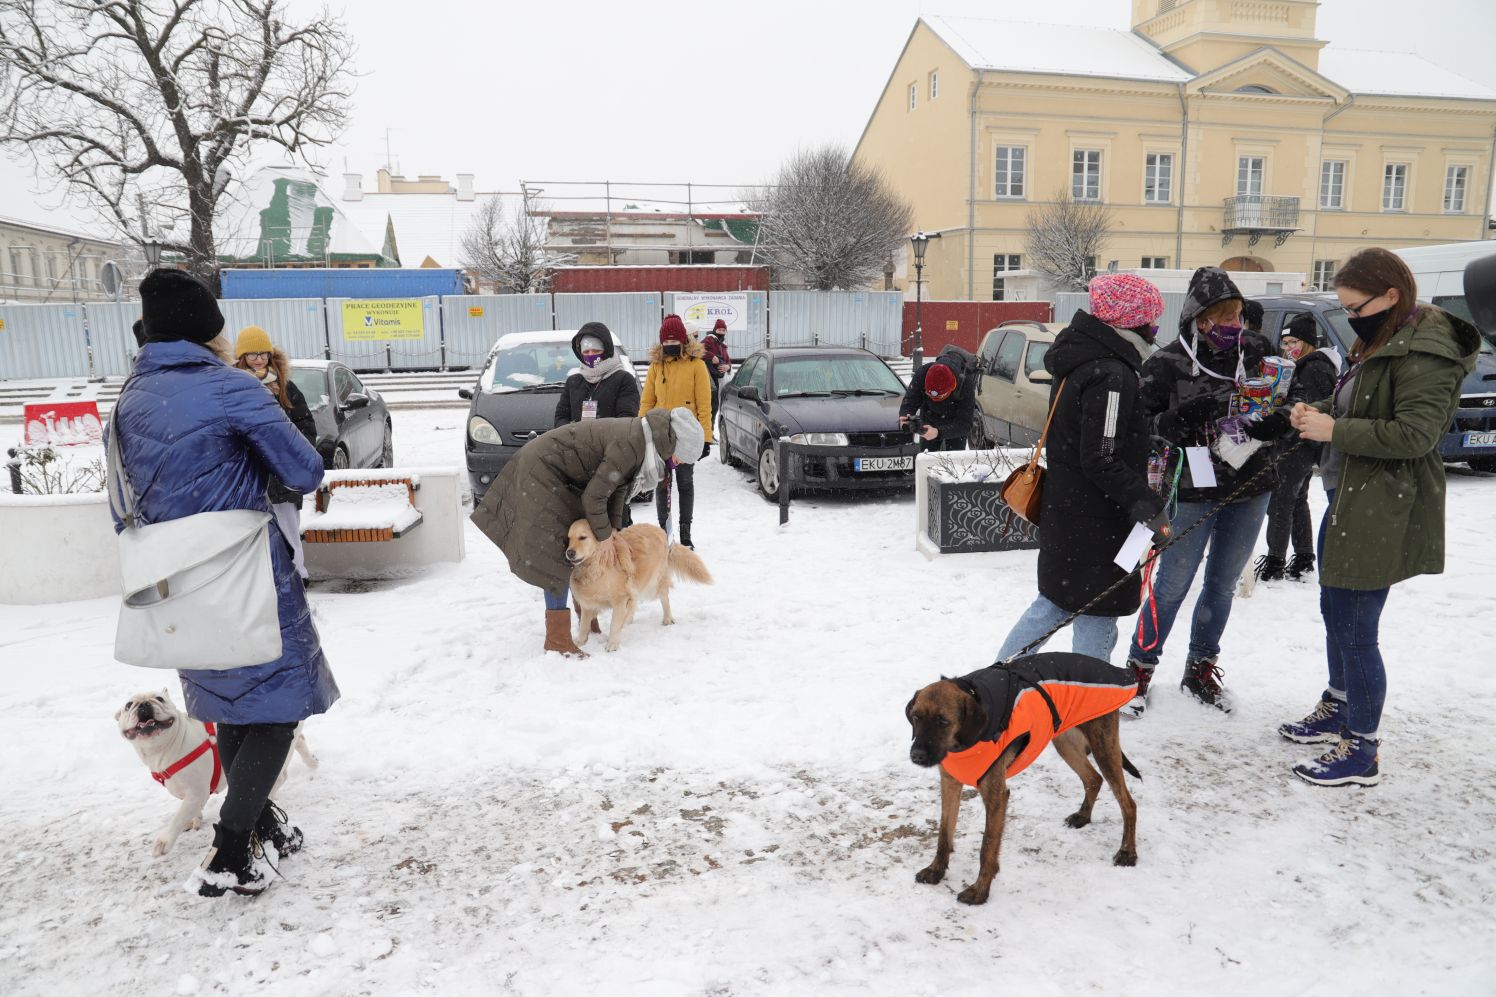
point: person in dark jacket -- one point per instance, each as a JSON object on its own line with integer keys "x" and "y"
{"x": 255, "y": 354}
{"x": 718, "y": 360}
{"x": 590, "y": 468}
{"x": 1096, "y": 459}
{"x": 195, "y": 436}
{"x": 605, "y": 387}
{"x": 1288, "y": 511}
{"x": 1189, "y": 387}
{"x": 943, "y": 394}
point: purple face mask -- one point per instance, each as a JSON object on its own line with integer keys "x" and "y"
{"x": 1223, "y": 337}
{"x": 591, "y": 359}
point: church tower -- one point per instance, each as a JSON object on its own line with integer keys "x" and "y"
{"x": 1204, "y": 35}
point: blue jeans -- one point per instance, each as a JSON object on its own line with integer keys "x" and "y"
{"x": 1092, "y": 635}
{"x": 1230, "y": 535}
{"x": 1352, "y": 619}
{"x": 556, "y": 601}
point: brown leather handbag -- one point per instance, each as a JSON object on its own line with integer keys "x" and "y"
{"x": 1024, "y": 489}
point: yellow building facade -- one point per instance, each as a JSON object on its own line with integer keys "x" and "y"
{"x": 1217, "y": 132}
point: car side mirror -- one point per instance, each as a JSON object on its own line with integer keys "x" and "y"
{"x": 465, "y": 393}
{"x": 356, "y": 400}
{"x": 1041, "y": 377}
{"x": 749, "y": 394}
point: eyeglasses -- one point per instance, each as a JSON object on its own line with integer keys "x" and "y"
{"x": 1356, "y": 309}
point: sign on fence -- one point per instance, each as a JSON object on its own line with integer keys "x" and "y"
{"x": 703, "y": 310}
{"x": 62, "y": 424}
{"x": 383, "y": 319}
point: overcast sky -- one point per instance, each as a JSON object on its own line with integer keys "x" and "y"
{"x": 668, "y": 90}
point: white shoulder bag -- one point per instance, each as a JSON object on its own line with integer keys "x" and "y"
{"x": 199, "y": 592}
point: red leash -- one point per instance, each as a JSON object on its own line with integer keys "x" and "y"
{"x": 210, "y": 743}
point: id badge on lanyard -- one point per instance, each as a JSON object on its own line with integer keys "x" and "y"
{"x": 589, "y": 409}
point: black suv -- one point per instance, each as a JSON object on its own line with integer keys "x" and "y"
{"x": 1471, "y": 439}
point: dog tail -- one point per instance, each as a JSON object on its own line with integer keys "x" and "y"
{"x": 1131, "y": 769}
{"x": 684, "y": 563}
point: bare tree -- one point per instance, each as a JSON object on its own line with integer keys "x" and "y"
{"x": 833, "y": 219}
{"x": 508, "y": 250}
{"x": 1065, "y": 238}
{"x": 147, "y": 108}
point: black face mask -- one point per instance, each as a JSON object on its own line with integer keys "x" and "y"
{"x": 671, "y": 349}
{"x": 1367, "y": 326}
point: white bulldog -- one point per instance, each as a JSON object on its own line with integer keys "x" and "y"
{"x": 182, "y": 755}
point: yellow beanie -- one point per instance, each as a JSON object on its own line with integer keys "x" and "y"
{"x": 252, "y": 339}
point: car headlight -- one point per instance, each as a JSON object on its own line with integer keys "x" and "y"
{"x": 820, "y": 439}
{"x": 480, "y": 430}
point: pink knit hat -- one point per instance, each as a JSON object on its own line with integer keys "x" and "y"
{"x": 1125, "y": 300}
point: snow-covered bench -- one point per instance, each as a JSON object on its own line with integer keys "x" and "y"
{"x": 369, "y": 508}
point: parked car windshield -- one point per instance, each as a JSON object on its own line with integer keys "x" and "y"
{"x": 529, "y": 365}
{"x": 312, "y": 383}
{"x": 799, "y": 376}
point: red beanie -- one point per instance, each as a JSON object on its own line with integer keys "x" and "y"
{"x": 721, "y": 324}
{"x": 940, "y": 381}
{"x": 673, "y": 330}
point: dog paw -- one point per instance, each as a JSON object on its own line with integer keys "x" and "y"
{"x": 161, "y": 845}
{"x": 972, "y": 895}
{"x": 930, "y": 874}
{"x": 1078, "y": 819}
{"x": 612, "y": 646}
{"x": 195, "y": 824}
{"x": 311, "y": 760}
{"x": 1125, "y": 857}
{"x": 668, "y": 622}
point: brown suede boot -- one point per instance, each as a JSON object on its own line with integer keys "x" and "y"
{"x": 558, "y": 634}
{"x": 595, "y": 627}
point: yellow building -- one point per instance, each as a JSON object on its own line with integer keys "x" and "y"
{"x": 1217, "y": 131}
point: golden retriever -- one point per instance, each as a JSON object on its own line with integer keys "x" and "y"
{"x": 632, "y": 565}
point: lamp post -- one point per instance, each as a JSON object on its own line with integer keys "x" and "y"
{"x": 920, "y": 241}
{"x": 152, "y": 250}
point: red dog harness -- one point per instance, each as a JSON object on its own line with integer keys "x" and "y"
{"x": 210, "y": 743}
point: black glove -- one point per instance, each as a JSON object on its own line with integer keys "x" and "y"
{"x": 1269, "y": 428}
{"x": 706, "y": 449}
{"x": 1199, "y": 410}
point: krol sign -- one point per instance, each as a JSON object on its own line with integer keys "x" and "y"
{"x": 701, "y": 311}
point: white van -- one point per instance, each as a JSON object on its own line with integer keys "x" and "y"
{"x": 1440, "y": 273}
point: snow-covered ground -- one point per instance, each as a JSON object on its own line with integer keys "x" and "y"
{"x": 726, "y": 806}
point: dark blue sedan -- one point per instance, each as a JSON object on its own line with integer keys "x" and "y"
{"x": 837, "y": 406}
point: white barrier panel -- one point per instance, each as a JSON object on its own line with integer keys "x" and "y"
{"x": 438, "y": 538}
{"x": 58, "y": 548}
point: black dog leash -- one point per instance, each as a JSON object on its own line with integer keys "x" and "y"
{"x": 1157, "y": 552}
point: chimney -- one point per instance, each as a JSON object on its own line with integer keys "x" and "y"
{"x": 353, "y": 186}
{"x": 464, "y": 186}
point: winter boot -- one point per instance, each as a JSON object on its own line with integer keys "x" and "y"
{"x": 558, "y": 634}
{"x": 596, "y": 629}
{"x": 1352, "y": 762}
{"x": 273, "y": 827}
{"x": 230, "y": 865}
{"x": 1269, "y": 568}
{"x": 1324, "y": 726}
{"x": 1202, "y": 679}
{"x": 1138, "y": 705}
{"x": 1301, "y": 565}
{"x": 685, "y": 534}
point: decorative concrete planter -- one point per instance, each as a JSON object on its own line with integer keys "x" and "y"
{"x": 57, "y": 548}
{"x": 967, "y": 517}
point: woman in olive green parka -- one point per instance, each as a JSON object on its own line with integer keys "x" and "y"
{"x": 1384, "y": 478}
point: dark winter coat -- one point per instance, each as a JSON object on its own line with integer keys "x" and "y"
{"x": 953, "y": 417}
{"x": 1313, "y": 381}
{"x": 1387, "y": 517}
{"x": 1079, "y": 688}
{"x": 583, "y": 469}
{"x": 301, "y": 417}
{"x": 617, "y": 395}
{"x": 195, "y": 436}
{"x": 1096, "y": 456}
{"x": 716, "y": 353}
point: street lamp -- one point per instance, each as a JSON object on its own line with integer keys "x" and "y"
{"x": 920, "y": 241}
{"x": 152, "y": 253}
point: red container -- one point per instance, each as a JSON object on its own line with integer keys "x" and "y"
{"x": 964, "y": 323}
{"x": 660, "y": 278}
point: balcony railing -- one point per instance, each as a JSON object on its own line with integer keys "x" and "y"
{"x": 1256, "y": 215}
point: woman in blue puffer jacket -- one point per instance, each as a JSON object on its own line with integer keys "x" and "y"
{"x": 197, "y": 435}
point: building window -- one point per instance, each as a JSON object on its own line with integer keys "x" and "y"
{"x": 1249, "y": 170}
{"x": 1155, "y": 263}
{"x": 1008, "y": 170}
{"x": 913, "y": 95}
{"x": 1158, "y": 178}
{"x": 1332, "y": 184}
{"x": 1395, "y": 187}
{"x": 934, "y": 84}
{"x": 1456, "y": 178}
{"x": 1324, "y": 274}
{"x": 1085, "y": 175}
{"x": 1003, "y": 263}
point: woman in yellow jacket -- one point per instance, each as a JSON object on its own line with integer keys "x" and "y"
{"x": 678, "y": 376}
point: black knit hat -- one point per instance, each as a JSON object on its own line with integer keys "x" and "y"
{"x": 1208, "y": 286}
{"x": 176, "y": 305}
{"x": 1251, "y": 314}
{"x": 597, "y": 331}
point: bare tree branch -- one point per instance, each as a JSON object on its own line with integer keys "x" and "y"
{"x": 1065, "y": 238}
{"x": 509, "y": 252}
